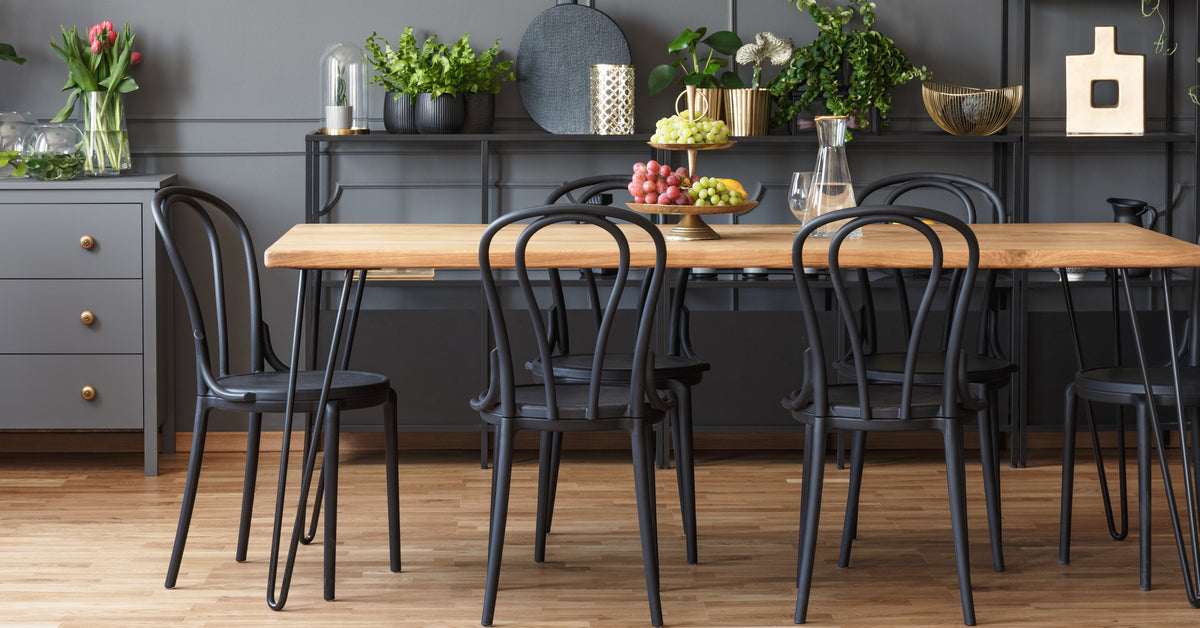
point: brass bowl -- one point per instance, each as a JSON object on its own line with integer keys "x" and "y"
{"x": 968, "y": 110}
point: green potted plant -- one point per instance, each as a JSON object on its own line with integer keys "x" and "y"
{"x": 748, "y": 108}
{"x": 434, "y": 79}
{"x": 850, "y": 69}
{"x": 393, "y": 70}
{"x": 703, "y": 76}
{"x": 485, "y": 76}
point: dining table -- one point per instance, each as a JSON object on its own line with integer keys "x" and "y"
{"x": 355, "y": 249}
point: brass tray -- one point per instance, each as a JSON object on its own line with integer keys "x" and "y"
{"x": 692, "y": 226}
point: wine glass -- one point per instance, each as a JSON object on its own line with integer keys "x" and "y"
{"x": 798, "y": 194}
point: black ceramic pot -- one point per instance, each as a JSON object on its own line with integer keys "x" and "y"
{"x": 398, "y": 114}
{"x": 444, "y": 114}
{"x": 481, "y": 112}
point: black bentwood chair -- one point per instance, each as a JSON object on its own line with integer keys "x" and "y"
{"x": 987, "y": 369}
{"x": 677, "y": 371}
{"x": 594, "y": 404}
{"x": 1121, "y": 384}
{"x": 910, "y": 403}
{"x": 254, "y": 388}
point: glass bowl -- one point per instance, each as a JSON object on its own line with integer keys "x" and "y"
{"x": 53, "y": 152}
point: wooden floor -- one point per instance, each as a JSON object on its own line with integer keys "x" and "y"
{"x": 85, "y": 539}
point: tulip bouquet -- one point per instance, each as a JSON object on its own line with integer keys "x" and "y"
{"x": 97, "y": 74}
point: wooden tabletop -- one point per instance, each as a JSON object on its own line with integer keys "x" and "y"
{"x": 1026, "y": 245}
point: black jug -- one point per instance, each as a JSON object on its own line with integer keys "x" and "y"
{"x": 1134, "y": 212}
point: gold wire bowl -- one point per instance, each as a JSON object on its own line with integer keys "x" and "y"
{"x": 968, "y": 110}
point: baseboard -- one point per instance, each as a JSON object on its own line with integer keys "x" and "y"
{"x": 69, "y": 442}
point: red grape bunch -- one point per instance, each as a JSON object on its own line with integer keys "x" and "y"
{"x": 656, "y": 184}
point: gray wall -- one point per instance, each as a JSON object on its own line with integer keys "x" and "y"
{"x": 229, "y": 88}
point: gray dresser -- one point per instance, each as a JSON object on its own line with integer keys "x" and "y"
{"x": 80, "y": 281}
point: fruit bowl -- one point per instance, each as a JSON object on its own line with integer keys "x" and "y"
{"x": 692, "y": 226}
{"x": 968, "y": 110}
{"x": 701, "y": 146}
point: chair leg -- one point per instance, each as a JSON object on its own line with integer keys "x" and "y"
{"x": 501, "y": 479}
{"x": 991, "y": 480}
{"x": 814, "y": 470}
{"x": 858, "y": 448}
{"x": 1067, "y": 496}
{"x": 685, "y": 469}
{"x": 253, "y": 438}
{"x": 391, "y": 460}
{"x": 956, "y": 486}
{"x": 544, "y": 503}
{"x": 556, "y": 445}
{"x": 189, "y": 493}
{"x": 1145, "y": 436}
{"x": 810, "y": 445}
{"x": 643, "y": 472}
{"x": 329, "y": 471}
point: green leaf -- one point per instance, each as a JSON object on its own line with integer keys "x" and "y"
{"x": 8, "y": 53}
{"x": 686, "y": 40}
{"x": 660, "y": 77}
{"x": 68, "y": 109}
{"x": 724, "y": 42}
{"x": 730, "y": 80}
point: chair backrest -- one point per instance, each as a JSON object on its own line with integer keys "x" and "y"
{"x": 978, "y": 203}
{"x": 645, "y": 285}
{"x": 589, "y": 190}
{"x": 955, "y": 304}
{"x": 206, "y": 278}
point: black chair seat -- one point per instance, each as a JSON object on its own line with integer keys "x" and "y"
{"x": 888, "y": 367}
{"x": 572, "y": 403}
{"x": 348, "y": 387}
{"x": 885, "y": 402}
{"x": 617, "y": 367}
{"x": 1123, "y": 385}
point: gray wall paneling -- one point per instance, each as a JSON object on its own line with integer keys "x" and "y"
{"x": 229, "y": 89}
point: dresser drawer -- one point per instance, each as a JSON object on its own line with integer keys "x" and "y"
{"x": 43, "y": 392}
{"x": 43, "y": 240}
{"x": 43, "y": 315}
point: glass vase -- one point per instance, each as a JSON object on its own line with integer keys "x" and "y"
{"x": 53, "y": 152}
{"x": 831, "y": 186}
{"x": 13, "y": 126}
{"x": 105, "y": 135}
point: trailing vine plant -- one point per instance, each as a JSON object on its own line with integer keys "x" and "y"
{"x": 1151, "y": 8}
{"x": 850, "y": 66}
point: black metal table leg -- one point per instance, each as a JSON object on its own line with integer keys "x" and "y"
{"x": 1189, "y": 565}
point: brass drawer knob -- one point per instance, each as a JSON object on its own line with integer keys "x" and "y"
{"x": 87, "y": 318}
{"x": 87, "y": 242}
{"x": 88, "y": 393}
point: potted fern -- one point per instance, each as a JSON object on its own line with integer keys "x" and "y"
{"x": 850, "y": 69}
{"x": 485, "y": 76}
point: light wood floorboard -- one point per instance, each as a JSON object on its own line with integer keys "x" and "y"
{"x": 86, "y": 540}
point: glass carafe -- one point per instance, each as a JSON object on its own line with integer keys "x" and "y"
{"x": 831, "y": 187}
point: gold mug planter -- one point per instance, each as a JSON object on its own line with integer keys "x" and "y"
{"x": 747, "y": 111}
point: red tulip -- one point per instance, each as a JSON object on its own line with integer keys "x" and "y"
{"x": 112, "y": 38}
{"x": 97, "y": 46}
{"x": 135, "y": 58}
{"x": 94, "y": 33}
{"x": 106, "y": 25}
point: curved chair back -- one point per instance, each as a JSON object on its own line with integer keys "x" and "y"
{"x": 955, "y": 305}
{"x": 501, "y": 390}
{"x": 964, "y": 191}
{"x": 180, "y": 208}
{"x": 588, "y": 190}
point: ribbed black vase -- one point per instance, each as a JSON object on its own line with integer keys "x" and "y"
{"x": 444, "y": 114}
{"x": 481, "y": 112}
{"x": 399, "y": 114}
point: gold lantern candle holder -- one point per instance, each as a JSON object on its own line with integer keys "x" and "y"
{"x": 612, "y": 99}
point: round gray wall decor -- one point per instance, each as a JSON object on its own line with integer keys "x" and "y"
{"x": 555, "y": 60}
